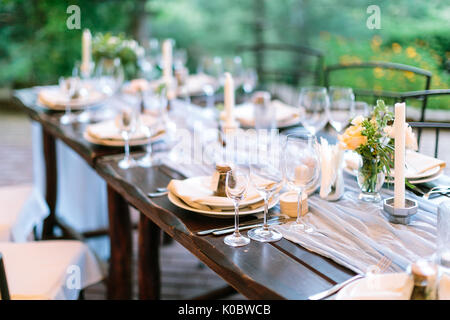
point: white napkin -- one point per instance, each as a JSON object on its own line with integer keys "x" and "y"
{"x": 419, "y": 163}
{"x": 196, "y": 192}
{"x": 284, "y": 113}
{"x": 391, "y": 286}
{"x": 332, "y": 180}
{"x": 195, "y": 83}
{"x": 108, "y": 130}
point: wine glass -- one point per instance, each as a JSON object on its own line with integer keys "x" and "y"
{"x": 361, "y": 108}
{"x": 70, "y": 88}
{"x": 342, "y": 107}
{"x": 110, "y": 75}
{"x": 249, "y": 81}
{"x": 84, "y": 73}
{"x": 314, "y": 104}
{"x": 236, "y": 185}
{"x": 266, "y": 175}
{"x": 126, "y": 121}
{"x": 214, "y": 68}
{"x": 301, "y": 170}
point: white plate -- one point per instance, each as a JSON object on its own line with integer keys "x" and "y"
{"x": 223, "y": 214}
{"x": 75, "y": 104}
{"x": 432, "y": 177}
{"x": 121, "y": 143}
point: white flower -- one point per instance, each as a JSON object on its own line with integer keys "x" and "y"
{"x": 389, "y": 131}
{"x": 357, "y": 120}
{"x": 410, "y": 137}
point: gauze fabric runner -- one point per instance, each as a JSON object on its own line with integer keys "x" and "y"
{"x": 350, "y": 232}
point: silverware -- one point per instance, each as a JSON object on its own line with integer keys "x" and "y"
{"x": 157, "y": 194}
{"x": 380, "y": 267}
{"x": 442, "y": 190}
{"x": 251, "y": 222}
{"x": 251, "y": 226}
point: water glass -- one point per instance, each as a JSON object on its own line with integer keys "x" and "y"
{"x": 361, "y": 109}
{"x": 236, "y": 186}
{"x": 301, "y": 170}
{"x": 266, "y": 175}
{"x": 126, "y": 121}
{"x": 342, "y": 107}
{"x": 314, "y": 104}
{"x": 249, "y": 81}
{"x": 443, "y": 234}
{"x": 263, "y": 111}
{"x": 70, "y": 88}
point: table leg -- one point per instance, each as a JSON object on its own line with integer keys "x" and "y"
{"x": 119, "y": 282}
{"x": 49, "y": 149}
{"x": 149, "y": 276}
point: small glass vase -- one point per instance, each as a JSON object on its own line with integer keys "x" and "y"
{"x": 370, "y": 180}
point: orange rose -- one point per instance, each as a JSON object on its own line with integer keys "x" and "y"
{"x": 352, "y": 137}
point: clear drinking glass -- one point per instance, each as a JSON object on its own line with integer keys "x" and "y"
{"x": 126, "y": 121}
{"x": 236, "y": 185}
{"x": 314, "y": 104}
{"x": 110, "y": 76}
{"x": 264, "y": 112}
{"x": 361, "y": 109}
{"x": 301, "y": 170}
{"x": 342, "y": 107}
{"x": 214, "y": 68}
{"x": 266, "y": 175}
{"x": 70, "y": 88}
{"x": 443, "y": 235}
{"x": 249, "y": 82}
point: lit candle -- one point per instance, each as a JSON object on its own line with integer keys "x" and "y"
{"x": 229, "y": 100}
{"x": 399, "y": 160}
{"x": 86, "y": 52}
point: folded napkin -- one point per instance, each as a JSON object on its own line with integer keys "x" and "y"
{"x": 332, "y": 180}
{"x": 108, "y": 130}
{"x": 419, "y": 163}
{"x": 195, "y": 82}
{"x": 55, "y": 98}
{"x": 391, "y": 286}
{"x": 196, "y": 193}
{"x": 284, "y": 113}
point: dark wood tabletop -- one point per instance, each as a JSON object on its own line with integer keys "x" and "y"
{"x": 281, "y": 270}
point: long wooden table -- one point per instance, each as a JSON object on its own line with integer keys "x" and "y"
{"x": 281, "y": 270}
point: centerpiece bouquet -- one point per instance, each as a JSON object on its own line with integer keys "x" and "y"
{"x": 372, "y": 138}
{"x": 107, "y": 48}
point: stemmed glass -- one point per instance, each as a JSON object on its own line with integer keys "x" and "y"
{"x": 267, "y": 177}
{"x": 236, "y": 185}
{"x": 70, "y": 88}
{"x": 110, "y": 75}
{"x": 212, "y": 67}
{"x": 249, "y": 81}
{"x": 314, "y": 104}
{"x": 342, "y": 107}
{"x": 301, "y": 164}
{"x": 126, "y": 121}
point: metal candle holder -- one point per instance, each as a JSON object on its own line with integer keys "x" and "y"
{"x": 400, "y": 215}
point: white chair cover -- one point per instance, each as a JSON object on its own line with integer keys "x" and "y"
{"x": 49, "y": 270}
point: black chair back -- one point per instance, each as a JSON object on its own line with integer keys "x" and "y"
{"x": 436, "y": 126}
{"x": 4, "y": 290}
{"x": 285, "y": 63}
{"x": 378, "y": 71}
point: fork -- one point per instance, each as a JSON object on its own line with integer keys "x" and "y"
{"x": 436, "y": 190}
{"x": 382, "y": 265}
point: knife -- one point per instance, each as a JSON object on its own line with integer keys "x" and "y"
{"x": 251, "y": 222}
{"x": 251, "y": 226}
{"x": 334, "y": 289}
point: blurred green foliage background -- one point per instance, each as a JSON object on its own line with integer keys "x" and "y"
{"x": 36, "y": 47}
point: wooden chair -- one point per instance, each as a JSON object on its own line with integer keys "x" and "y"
{"x": 436, "y": 126}
{"x": 424, "y": 96}
{"x": 296, "y": 69}
{"x": 392, "y": 96}
{"x": 43, "y": 270}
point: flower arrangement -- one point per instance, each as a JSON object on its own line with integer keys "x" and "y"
{"x": 373, "y": 139}
{"x": 108, "y": 46}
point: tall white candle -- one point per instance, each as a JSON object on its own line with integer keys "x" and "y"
{"x": 229, "y": 99}
{"x": 167, "y": 61}
{"x": 86, "y": 41}
{"x": 399, "y": 160}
